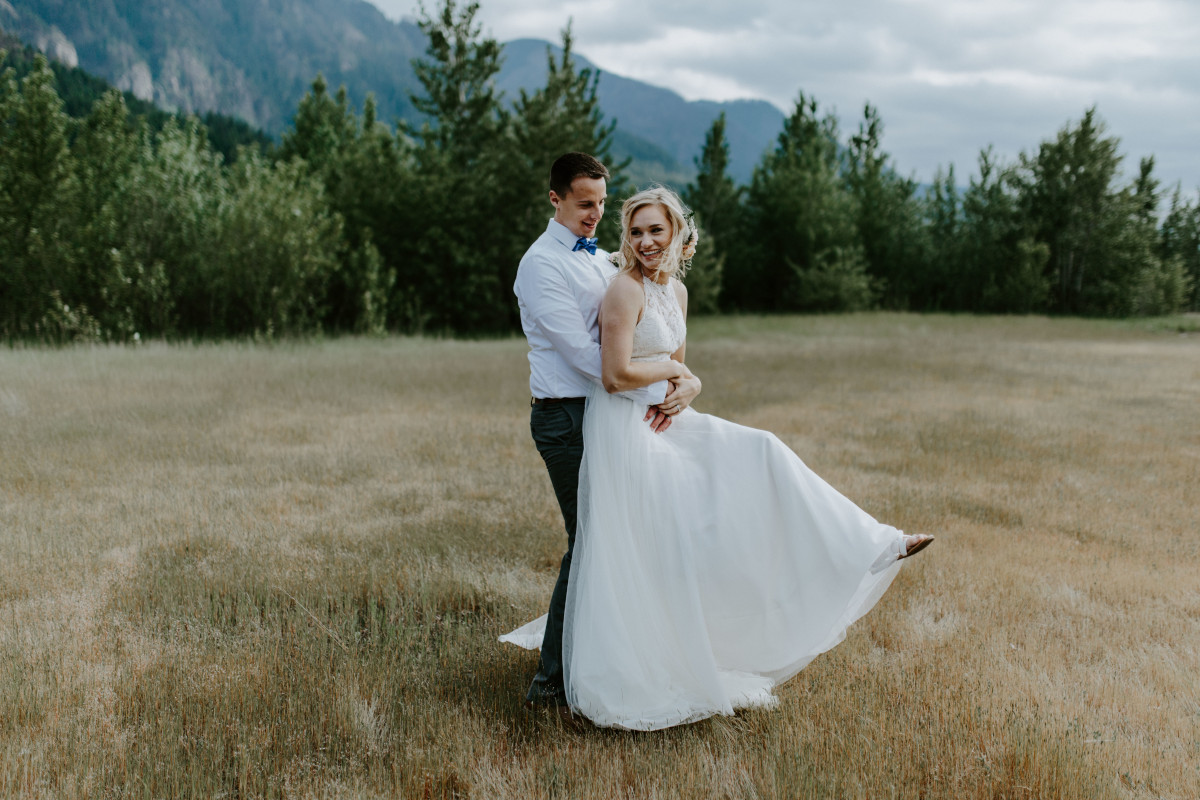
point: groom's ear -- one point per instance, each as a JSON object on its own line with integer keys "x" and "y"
{"x": 554, "y": 198}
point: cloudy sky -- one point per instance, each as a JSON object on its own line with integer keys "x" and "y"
{"x": 948, "y": 76}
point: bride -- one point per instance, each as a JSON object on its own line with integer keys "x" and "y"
{"x": 710, "y": 563}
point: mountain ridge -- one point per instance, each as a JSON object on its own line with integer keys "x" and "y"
{"x": 79, "y": 90}
{"x": 255, "y": 61}
{"x": 678, "y": 126}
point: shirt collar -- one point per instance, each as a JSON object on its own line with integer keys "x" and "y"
{"x": 561, "y": 233}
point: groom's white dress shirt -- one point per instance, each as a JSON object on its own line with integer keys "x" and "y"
{"x": 559, "y": 292}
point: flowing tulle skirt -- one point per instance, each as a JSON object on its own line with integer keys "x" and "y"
{"x": 710, "y": 565}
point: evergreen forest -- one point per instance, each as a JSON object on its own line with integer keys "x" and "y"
{"x": 120, "y": 222}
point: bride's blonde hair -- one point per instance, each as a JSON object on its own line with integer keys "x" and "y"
{"x": 683, "y": 232}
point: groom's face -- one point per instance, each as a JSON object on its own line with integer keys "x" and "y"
{"x": 580, "y": 209}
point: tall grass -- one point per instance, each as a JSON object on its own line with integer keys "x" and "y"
{"x": 268, "y": 571}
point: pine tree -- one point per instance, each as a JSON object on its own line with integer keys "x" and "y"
{"x": 1001, "y": 267}
{"x": 560, "y": 117}
{"x": 362, "y": 166}
{"x": 802, "y": 251}
{"x": 450, "y": 269}
{"x": 1067, "y": 194}
{"x": 716, "y": 201}
{"x": 374, "y": 171}
{"x": 129, "y": 297}
{"x": 38, "y": 196}
{"x": 1161, "y": 284}
{"x": 714, "y": 196}
{"x": 322, "y": 128}
{"x": 1179, "y": 238}
{"x": 943, "y": 221}
{"x": 13, "y": 292}
{"x": 887, "y": 215}
{"x": 458, "y": 78}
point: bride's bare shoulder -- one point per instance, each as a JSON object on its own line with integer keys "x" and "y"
{"x": 624, "y": 299}
{"x": 680, "y": 289}
{"x": 625, "y": 286}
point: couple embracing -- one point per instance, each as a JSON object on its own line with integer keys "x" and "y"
{"x": 705, "y": 562}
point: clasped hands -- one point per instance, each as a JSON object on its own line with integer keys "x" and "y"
{"x": 681, "y": 394}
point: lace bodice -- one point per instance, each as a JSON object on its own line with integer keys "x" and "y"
{"x": 661, "y": 330}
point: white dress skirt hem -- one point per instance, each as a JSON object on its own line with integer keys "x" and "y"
{"x": 710, "y": 565}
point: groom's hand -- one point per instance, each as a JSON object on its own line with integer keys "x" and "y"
{"x": 659, "y": 421}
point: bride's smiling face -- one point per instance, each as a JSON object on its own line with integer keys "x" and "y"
{"x": 650, "y": 234}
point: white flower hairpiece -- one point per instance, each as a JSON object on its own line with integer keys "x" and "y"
{"x": 693, "y": 239}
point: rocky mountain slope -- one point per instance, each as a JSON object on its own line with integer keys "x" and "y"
{"x": 254, "y": 59}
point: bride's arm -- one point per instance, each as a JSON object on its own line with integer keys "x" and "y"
{"x": 681, "y": 296}
{"x": 618, "y": 317}
{"x": 686, "y": 389}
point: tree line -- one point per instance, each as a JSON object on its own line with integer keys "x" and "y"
{"x": 114, "y": 229}
{"x": 827, "y": 225}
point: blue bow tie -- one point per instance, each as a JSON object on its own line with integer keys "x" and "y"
{"x": 585, "y": 243}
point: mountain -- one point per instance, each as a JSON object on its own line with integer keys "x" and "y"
{"x": 674, "y": 127}
{"x": 255, "y": 59}
{"x": 79, "y": 90}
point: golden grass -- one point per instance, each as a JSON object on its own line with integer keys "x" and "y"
{"x": 248, "y": 571}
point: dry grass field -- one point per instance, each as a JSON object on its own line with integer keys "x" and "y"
{"x": 279, "y": 571}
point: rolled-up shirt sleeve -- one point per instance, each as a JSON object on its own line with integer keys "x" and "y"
{"x": 553, "y": 308}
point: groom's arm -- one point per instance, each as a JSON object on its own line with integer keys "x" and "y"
{"x": 552, "y": 305}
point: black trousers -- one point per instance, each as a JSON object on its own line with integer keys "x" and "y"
{"x": 557, "y": 430}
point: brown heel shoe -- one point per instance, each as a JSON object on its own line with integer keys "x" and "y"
{"x": 914, "y": 544}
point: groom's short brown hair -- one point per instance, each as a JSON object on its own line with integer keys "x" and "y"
{"x": 568, "y": 167}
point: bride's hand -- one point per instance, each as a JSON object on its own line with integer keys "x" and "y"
{"x": 683, "y": 391}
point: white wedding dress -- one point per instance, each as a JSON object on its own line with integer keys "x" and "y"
{"x": 710, "y": 563}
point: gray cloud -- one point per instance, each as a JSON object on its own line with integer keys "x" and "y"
{"x": 948, "y": 76}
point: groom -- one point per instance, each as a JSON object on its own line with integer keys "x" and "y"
{"x": 560, "y": 283}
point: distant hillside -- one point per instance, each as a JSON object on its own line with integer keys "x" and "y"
{"x": 674, "y": 127}
{"x": 80, "y": 89}
{"x": 252, "y": 60}
{"x": 255, "y": 60}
